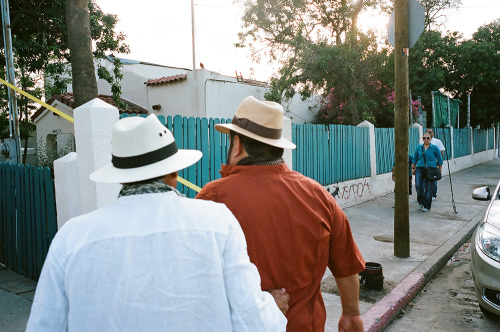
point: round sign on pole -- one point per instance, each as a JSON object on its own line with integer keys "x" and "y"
{"x": 416, "y": 23}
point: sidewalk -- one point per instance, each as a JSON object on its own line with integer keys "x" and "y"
{"x": 434, "y": 237}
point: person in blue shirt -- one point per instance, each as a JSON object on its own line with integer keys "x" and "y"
{"x": 433, "y": 158}
{"x": 410, "y": 162}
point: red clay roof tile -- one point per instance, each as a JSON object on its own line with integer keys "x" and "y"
{"x": 67, "y": 99}
{"x": 166, "y": 79}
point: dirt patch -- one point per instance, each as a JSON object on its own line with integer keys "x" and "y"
{"x": 329, "y": 286}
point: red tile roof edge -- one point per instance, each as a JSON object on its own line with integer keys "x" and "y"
{"x": 166, "y": 79}
{"x": 67, "y": 99}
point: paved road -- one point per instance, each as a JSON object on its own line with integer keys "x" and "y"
{"x": 447, "y": 303}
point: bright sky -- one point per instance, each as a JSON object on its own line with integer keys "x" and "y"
{"x": 159, "y": 31}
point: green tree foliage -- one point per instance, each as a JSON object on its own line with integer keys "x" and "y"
{"x": 429, "y": 65}
{"x": 457, "y": 66}
{"x": 319, "y": 51}
{"x": 26, "y": 127}
{"x": 476, "y": 69}
{"x": 40, "y": 42}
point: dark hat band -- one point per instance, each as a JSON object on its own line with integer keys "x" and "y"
{"x": 146, "y": 158}
{"x": 256, "y": 128}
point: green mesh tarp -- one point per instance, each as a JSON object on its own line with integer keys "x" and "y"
{"x": 442, "y": 119}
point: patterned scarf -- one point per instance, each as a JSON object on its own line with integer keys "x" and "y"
{"x": 146, "y": 187}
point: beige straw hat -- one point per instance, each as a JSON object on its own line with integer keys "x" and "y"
{"x": 259, "y": 120}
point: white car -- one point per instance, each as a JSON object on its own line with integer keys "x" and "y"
{"x": 485, "y": 252}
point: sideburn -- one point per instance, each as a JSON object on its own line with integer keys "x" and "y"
{"x": 230, "y": 149}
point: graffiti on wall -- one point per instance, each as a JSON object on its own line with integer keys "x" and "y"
{"x": 353, "y": 191}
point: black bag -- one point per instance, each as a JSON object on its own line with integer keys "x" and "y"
{"x": 431, "y": 173}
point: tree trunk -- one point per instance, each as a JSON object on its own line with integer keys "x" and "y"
{"x": 80, "y": 46}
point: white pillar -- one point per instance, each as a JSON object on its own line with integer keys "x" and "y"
{"x": 373, "y": 156}
{"x": 93, "y": 123}
{"x": 420, "y": 132}
{"x": 287, "y": 133}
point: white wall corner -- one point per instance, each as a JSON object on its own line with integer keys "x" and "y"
{"x": 287, "y": 133}
{"x": 66, "y": 188}
{"x": 373, "y": 156}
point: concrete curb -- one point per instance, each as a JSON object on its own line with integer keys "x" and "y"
{"x": 386, "y": 310}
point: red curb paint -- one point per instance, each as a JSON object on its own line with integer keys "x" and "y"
{"x": 378, "y": 316}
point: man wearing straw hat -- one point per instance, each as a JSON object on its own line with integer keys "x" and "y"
{"x": 153, "y": 260}
{"x": 293, "y": 226}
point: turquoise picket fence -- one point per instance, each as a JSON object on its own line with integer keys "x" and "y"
{"x": 461, "y": 143}
{"x": 28, "y": 212}
{"x": 331, "y": 153}
{"x": 198, "y": 134}
{"x": 479, "y": 137}
{"x": 385, "y": 145}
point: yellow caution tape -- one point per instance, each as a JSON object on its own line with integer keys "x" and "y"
{"x": 47, "y": 106}
{"x": 188, "y": 184}
{"x": 70, "y": 119}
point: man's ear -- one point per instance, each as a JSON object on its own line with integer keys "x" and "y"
{"x": 171, "y": 179}
{"x": 238, "y": 152}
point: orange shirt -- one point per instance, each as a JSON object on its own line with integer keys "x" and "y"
{"x": 294, "y": 230}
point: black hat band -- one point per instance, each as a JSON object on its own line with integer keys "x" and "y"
{"x": 256, "y": 128}
{"x": 146, "y": 158}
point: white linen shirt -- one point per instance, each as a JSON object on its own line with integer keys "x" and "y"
{"x": 437, "y": 142}
{"x": 152, "y": 262}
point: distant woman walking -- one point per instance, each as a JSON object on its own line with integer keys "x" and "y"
{"x": 425, "y": 154}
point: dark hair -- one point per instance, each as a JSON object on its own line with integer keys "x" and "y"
{"x": 257, "y": 149}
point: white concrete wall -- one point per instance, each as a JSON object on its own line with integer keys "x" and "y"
{"x": 175, "y": 98}
{"x": 133, "y": 88}
{"x": 152, "y": 71}
{"x": 300, "y": 111}
{"x": 223, "y": 96}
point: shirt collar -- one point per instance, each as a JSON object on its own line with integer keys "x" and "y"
{"x": 227, "y": 170}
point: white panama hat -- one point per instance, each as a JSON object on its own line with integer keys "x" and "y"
{"x": 142, "y": 149}
{"x": 259, "y": 120}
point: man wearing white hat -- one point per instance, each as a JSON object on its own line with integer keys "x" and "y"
{"x": 153, "y": 260}
{"x": 293, "y": 226}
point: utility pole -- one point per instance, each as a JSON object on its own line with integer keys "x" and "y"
{"x": 401, "y": 124}
{"x": 195, "y": 80}
{"x": 12, "y": 148}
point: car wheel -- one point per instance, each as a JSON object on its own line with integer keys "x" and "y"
{"x": 489, "y": 313}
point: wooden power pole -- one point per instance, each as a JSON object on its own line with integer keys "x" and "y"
{"x": 401, "y": 124}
